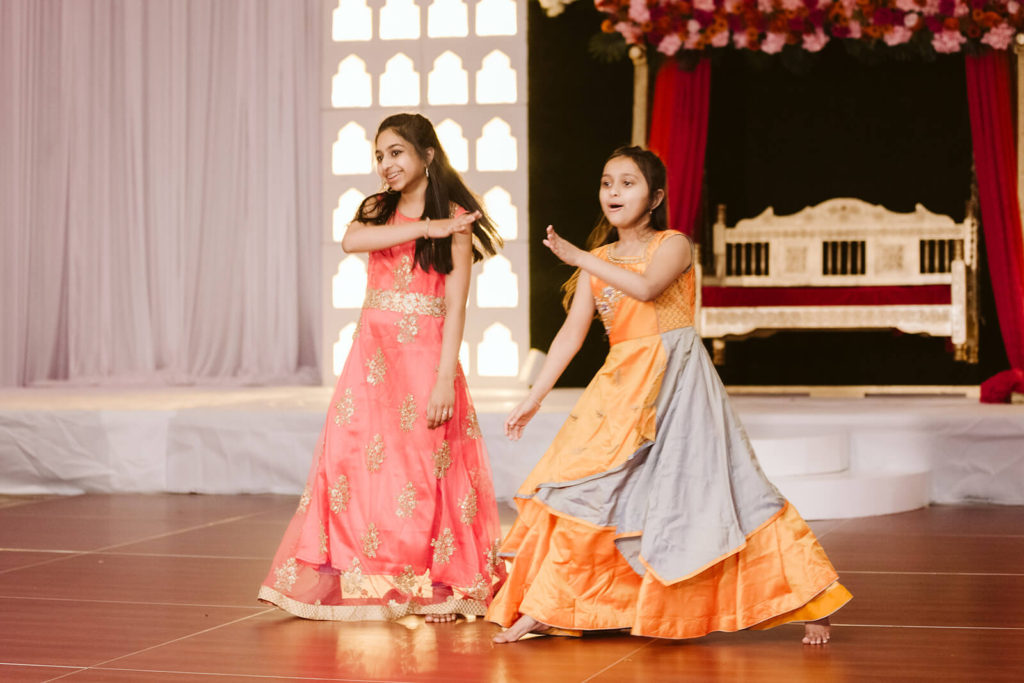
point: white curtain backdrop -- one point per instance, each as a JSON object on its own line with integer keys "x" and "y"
{"x": 159, "y": 191}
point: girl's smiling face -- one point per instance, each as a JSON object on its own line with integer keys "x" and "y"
{"x": 398, "y": 163}
{"x": 625, "y": 196}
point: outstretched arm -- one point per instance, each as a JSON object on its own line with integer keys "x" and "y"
{"x": 456, "y": 291}
{"x": 563, "y": 348}
{"x": 362, "y": 237}
{"x": 671, "y": 259}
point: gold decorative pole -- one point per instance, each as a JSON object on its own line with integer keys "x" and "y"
{"x": 638, "y": 55}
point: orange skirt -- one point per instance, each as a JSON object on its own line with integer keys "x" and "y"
{"x": 570, "y": 575}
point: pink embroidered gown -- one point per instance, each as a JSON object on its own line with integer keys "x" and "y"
{"x": 395, "y": 518}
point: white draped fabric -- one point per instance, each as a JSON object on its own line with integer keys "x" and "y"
{"x": 159, "y": 191}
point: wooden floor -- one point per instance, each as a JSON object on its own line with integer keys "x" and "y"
{"x": 162, "y": 588}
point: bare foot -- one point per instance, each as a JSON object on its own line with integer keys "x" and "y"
{"x": 817, "y": 632}
{"x": 441, "y": 618}
{"x": 526, "y": 624}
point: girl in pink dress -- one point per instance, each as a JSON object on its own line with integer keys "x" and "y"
{"x": 398, "y": 515}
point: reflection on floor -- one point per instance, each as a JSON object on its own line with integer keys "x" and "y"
{"x": 162, "y": 588}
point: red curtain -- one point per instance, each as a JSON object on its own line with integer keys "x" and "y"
{"x": 990, "y": 100}
{"x": 679, "y": 133}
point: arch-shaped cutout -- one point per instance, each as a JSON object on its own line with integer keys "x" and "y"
{"x": 496, "y": 80}
{"x": 497, "y": 355}
{"x": 503, "y": 212}
{"x": 454, "y": 143}
{"x": 351, "y": 20}
{"x": 448, "y": 19}
{"x": 348, "y": 204}
{"x": 399, "y": 84}
{"x": 496, "y": 18}
{"x": 351, "y": 153}
{"x": 496, "y": 148}
{"x": 348, "y": 284}
{"x": 400, "y": 20}
{"x": 351, "y": 84}
{"x": 448, "y": 83}
{"x": 497, "y": 286}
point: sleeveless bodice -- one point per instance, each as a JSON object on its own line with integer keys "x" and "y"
{"x": 394, "y": 283}
{"x": 627, "y": 318}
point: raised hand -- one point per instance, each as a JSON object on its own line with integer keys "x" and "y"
{"x": 563, "y": 249}
{"x": 444, "y": 227}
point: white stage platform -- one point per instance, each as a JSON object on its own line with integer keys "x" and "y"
{"x": 832, "y": 457}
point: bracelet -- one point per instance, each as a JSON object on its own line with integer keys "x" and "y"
{"x": 426, "y": 230}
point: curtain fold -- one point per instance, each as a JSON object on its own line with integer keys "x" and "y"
{"x": 679, "y": 133}
{"x": 159, "y": 191}
{"x": 990, "y": 101}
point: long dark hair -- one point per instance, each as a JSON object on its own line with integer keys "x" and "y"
{"x": 653, "y": 170}
{"x": 445, "y": 191}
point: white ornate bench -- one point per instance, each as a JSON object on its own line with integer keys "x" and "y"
{"x": 842, "y": 265}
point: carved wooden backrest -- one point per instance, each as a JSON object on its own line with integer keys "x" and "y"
{"x": 841, "y": 242}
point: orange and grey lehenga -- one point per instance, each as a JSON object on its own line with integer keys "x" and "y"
{"x": 649, "y": 511}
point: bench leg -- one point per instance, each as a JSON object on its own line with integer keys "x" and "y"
{"x": 718, "y": 351}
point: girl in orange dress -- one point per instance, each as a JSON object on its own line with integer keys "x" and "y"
{"x": 398, "y": 515}
{"x": 649, "y": 511}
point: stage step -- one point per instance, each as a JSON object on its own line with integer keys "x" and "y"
{"x": 842, "y": 495}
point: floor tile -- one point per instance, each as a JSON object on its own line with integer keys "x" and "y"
{"x": 80, "y": 533}
{"x": 178, "y": 580}
{"x": 278, "y": 645}
{"x": 855, "y": 654}
{"x": 13, "y": 559}
{"x": 924, "y": 552}
{"x": 76, "y": 633}
{"x": 18, "y": 673}
{"x": 162, "y": 506}
{"x": 945, "y": 520}
{"x": 230, "y": 539}
{"x": 934, "y": 600}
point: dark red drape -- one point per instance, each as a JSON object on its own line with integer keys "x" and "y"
{"x": 990, "y": 100}
{"x": 679, "y": 133}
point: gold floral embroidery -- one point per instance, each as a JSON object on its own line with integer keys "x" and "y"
{"x": 444, "y": 546}
{"x": 405, "y": 302}
{"x": 406, "y": 581}
{"x": 323, "y": 538}
{"x": 371, "y": 540}
{"x": 481, "y": 588}
{"x": 492, "y": 555}
{"x": 287, "y": 574}
{"x": 408, "y": 413}
{"x": 376, "y": 367}
{"x": 403, "y": 274}
{"x": 473, "y": 426}
{"x": 359, "y": 327}
{"x": 304, "y": 499}
{"x": 606, "y": 303}
{"x": 375, "y": 453}
{"x": 339, "y": 494}
{"x": 406, "y": 501}
{"x": 468, "y": 507}
{"x": 345, "y": 408}
{"x": 352, "y": 579}
{"x": 408, "y": 328}
{"x": 442, "y": 459}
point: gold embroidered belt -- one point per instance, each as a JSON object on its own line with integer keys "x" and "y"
{"x": 405, "y": 302}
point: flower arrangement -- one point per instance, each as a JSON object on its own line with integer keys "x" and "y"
{"x": 769, "y": 26}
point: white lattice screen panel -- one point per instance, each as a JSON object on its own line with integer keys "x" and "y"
{"x": 462, "y": 64}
